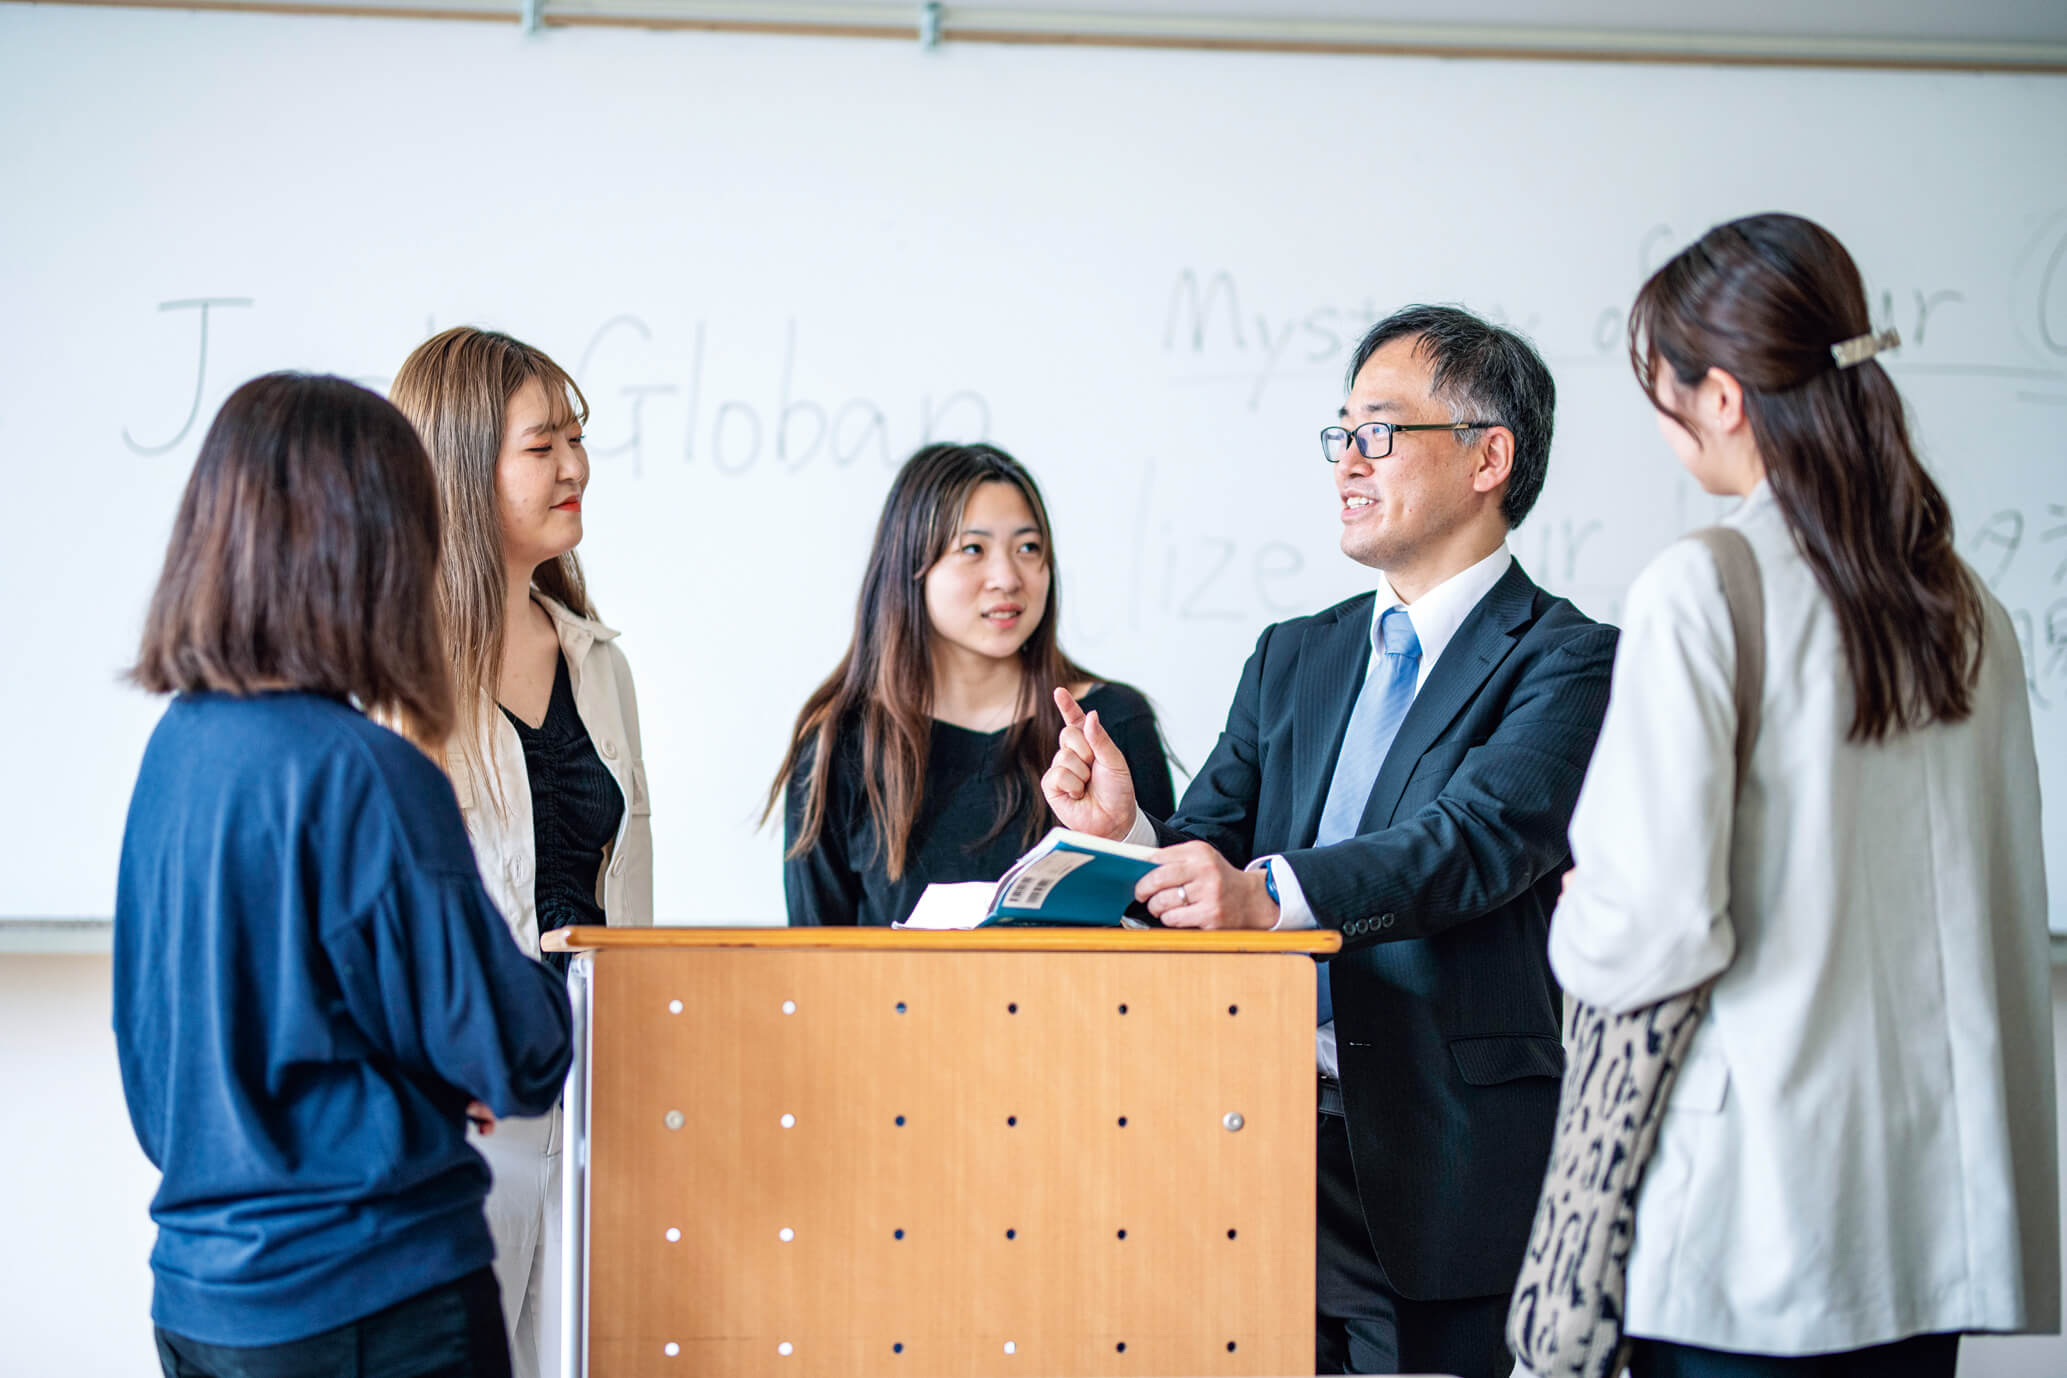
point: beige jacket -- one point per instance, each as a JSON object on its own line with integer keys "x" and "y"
{"x": 1860, "y": 1146}
{"x": 503, "y": 843}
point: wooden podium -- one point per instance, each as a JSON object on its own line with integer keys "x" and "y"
{"x": 871, "y": 1151}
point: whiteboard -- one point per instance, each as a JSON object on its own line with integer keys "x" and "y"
{"x": 778, "y": 265}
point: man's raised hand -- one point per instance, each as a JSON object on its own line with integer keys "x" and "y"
{"x": 1089, "y": 785}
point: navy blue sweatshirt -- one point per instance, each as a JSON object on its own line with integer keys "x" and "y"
{"x": 310, "y": 985}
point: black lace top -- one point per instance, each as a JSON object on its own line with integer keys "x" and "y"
{"x": 575, "y": 809}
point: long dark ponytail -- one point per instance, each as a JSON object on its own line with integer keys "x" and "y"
{"x": 1764, "y": 299}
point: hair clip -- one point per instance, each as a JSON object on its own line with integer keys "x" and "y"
{"x": 1860, "y": 348}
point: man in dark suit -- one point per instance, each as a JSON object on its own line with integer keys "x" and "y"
{"x": 1402, "y": 767}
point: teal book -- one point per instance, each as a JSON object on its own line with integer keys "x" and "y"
{"x": 1068, "y": 878}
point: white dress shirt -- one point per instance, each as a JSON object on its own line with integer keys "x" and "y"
{"x": 1436, "y": 615}
{"x": 1860, "y": 1144}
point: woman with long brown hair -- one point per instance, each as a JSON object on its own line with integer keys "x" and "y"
{"x": 919, "y": 759}
{"x": 545, "y": 754}
{"x": 1856, "y": 1162}
{"x": 311, "y": 986}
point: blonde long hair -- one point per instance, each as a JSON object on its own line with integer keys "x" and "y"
{"x": 455, "y": 388}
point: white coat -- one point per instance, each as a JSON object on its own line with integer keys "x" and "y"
{"x": 1860, "y": 1146}
{"x": 523, "y": 1206}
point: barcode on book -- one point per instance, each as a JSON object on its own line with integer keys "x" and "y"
{"x": 1029, "y": 889}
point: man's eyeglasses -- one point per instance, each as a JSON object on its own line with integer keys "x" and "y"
{"x": 1374, "y": 438}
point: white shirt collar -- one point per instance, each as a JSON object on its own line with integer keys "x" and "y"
{"x": 1761, "y": 494}
{"x": 1438, "y": 613}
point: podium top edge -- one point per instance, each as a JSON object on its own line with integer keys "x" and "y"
{"x": 1314, "y": 941}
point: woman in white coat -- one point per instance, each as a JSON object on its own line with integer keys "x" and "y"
{"x": 1857, "y": 1162}
{"x": 546, "y": 759}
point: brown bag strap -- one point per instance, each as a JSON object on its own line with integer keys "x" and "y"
{"x": 1745, "y": 594}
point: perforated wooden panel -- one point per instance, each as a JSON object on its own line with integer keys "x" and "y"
{"x": 934, "y": 1163}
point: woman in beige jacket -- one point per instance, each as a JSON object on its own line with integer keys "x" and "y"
{"x": 1857, "y": 1162}
{"x": 546, "y": 759}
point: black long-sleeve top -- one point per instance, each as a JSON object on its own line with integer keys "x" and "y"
{"x": 843, "y": 878}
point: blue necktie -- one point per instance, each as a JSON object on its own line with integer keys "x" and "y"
{"x": 1387, "y": 694}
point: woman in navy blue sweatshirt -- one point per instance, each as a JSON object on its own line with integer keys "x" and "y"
{"x": 312, "y": 990}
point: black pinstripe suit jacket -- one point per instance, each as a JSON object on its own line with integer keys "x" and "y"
{"x": 1446, "y": 1014}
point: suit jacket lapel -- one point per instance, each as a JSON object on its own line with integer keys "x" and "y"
{"x": 1481, "y": 643}
{"x": 1329, "y": 680}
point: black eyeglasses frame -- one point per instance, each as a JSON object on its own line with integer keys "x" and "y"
{"x": 1333, "y": 452}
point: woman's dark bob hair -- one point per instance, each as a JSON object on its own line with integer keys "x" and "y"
{"x": 305, "y": 556}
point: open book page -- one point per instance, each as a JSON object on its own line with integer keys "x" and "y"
{"x": 1082, "y": 842}
{"x": 947, "y": 907}
{"x": 1028, "y": 883}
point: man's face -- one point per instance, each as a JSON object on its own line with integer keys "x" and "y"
{"x": 1396, "y": 510}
